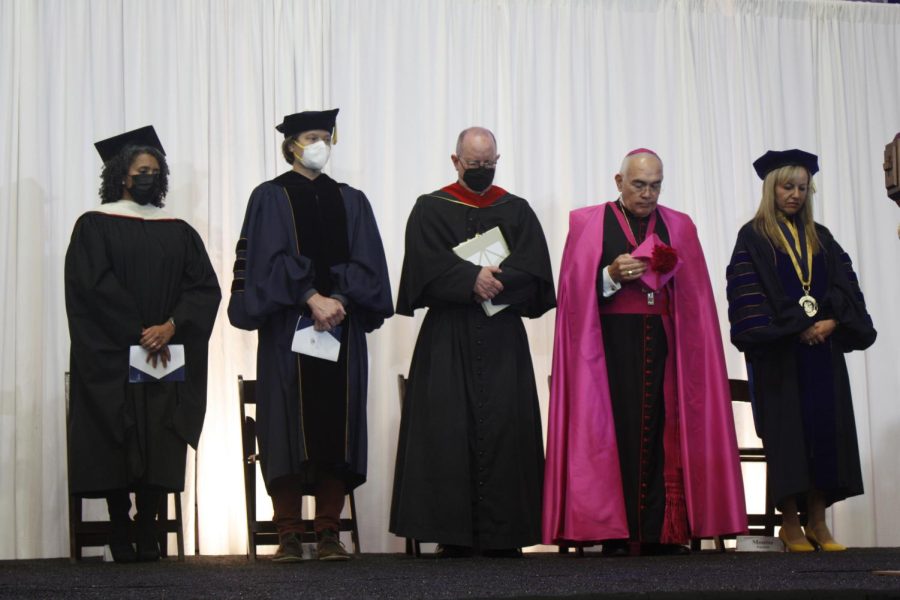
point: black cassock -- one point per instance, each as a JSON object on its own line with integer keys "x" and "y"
{"x": 123, "y": 273}
{"x": 636, "y": 351}
{"x": 801, "y": 394}
{"x": 302, "y": 236}
{"x": 470, "y": 456}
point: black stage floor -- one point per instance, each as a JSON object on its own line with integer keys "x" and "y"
{"x": 700, "y": 575}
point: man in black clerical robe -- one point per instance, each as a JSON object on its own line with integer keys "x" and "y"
{"x": 134, "y": 275}
{"x": 310, "y": 246}
{"x": 470, "y": 455}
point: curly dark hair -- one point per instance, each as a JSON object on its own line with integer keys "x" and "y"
{"x": 286, "y": 150}
{"x": 112, "y": 177}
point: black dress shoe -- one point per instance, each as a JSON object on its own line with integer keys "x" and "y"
{"x": 502, "y": 553}
{"x": 122, "y": 550}
{"x": 123, "y": 553}
{"x": 614, "y": 548}
{"x": 148, "y": 551}
{"x": 656, "y": 549}
{"x": 454, "y": 551}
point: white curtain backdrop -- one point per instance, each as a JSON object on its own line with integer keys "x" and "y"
{"x": 567, "y": 86}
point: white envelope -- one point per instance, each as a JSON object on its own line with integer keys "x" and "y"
{"x": 320, "y": 344}
{"x": 141, "y": 371}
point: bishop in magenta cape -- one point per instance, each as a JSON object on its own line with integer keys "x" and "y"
{"x": 583, "y": 498}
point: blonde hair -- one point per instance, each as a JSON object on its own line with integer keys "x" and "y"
{"x": 765, "y": 222}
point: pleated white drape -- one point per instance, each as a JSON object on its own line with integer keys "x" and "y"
{"x": 567, "y": 86}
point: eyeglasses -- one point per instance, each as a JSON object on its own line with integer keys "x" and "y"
{"x": 640, "y": 186}
{"x": 474, "y": 164}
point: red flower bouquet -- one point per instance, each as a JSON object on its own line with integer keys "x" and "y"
{"x": 662, "y": 262}
{"x": 663, "y": 259}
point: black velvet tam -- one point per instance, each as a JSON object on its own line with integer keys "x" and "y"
{"x": 775, "y": 159}
{"x": 307, "y": 121}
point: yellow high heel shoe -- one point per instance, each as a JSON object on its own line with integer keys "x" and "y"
{"x": 803, "y": 546}
{"x": 827, "y": 546}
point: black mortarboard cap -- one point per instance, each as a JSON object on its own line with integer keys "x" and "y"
{"x": 775, "y": 159}
{"x": 307, "y": 121}
{"x": 143, "y": 136}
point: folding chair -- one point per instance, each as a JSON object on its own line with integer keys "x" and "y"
{"x": 264, "y": 533}
{"x": 763, "y": 523}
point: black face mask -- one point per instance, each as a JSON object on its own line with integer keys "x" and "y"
{"x": 145, "y": 188}
{"x": 478, "y": 179}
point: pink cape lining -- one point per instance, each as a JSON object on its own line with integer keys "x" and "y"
{"x": 582, "y": 482}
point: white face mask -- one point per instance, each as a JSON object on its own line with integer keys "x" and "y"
{"x": 315, "y": 155}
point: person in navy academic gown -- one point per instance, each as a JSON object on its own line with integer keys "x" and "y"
{"x": 795, "y": 308}
{"x": 310, "y": 246}
{"x": 135, "y": 275}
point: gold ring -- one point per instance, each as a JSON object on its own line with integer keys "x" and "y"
{"x": 628, "y": 272}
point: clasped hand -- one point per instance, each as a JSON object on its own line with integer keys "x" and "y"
{"x": 486, "y": 285}
{"x": 155, "y": 340}
{"x": 818, "y": 332}
{"x": 626, "y": 268}
{"x": 327, "y": 313}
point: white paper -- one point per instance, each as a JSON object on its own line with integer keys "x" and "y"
{"x": 487, "y": 249}
{"x": 321, "y": 344}
{"x": 138, "y": 360}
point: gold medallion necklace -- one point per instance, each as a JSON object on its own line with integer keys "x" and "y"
{"x": 795, "y": 251}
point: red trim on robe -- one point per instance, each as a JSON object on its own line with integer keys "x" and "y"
{"x": 465, "y": 196}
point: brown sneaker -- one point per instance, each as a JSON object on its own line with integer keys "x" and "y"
{"x": 329, "y": 546}
{"x": 290, "y": 549}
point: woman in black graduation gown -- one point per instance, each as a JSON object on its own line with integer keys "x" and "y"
{"x": 795, "y": 308}
{"x": 135, "y": 276}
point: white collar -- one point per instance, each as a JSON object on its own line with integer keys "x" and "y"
{"x": 130, "y": 208}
